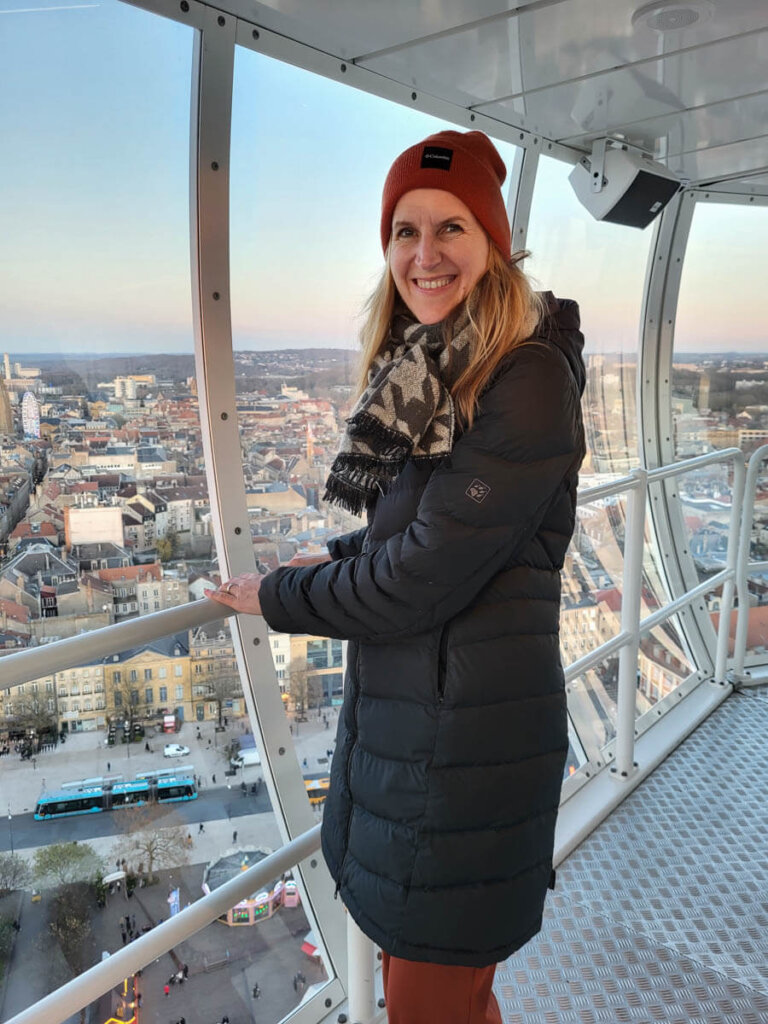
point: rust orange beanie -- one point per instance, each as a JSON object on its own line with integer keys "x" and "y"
{"x": 466, "y": 164}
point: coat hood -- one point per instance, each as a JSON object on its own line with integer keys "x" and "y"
{"x": 561, "y": 326}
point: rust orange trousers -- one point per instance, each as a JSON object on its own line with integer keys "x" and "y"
{"x": 418, "y": 993}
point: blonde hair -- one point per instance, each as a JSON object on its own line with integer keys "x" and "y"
{"x": 507, "y": 312}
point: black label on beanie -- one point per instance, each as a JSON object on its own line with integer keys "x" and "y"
{"x": 437, "y": 156}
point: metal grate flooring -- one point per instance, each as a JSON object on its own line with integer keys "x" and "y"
{"x": 662, "y": 913}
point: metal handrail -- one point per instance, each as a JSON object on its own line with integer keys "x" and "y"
{"x": 756, "y": 459}
{"x": 627, "y": 641}
{"x": 36, "y": 662}
{"x": 89, "y": 986}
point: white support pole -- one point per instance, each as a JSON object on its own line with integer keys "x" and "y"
{"x": 361, "y": 967}
{"x": 630, "y": 618}
{"x": 731, "y": 565}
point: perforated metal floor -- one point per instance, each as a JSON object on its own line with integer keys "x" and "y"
{"x": 662, "y": 914}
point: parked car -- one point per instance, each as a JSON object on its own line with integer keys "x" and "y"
{"x": 175, "y": 750}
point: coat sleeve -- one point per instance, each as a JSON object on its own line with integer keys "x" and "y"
{"x": 480, "y": 507}
{"x": 347, "y": 545}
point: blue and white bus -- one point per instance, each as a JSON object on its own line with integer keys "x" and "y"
{"x": 107, "y": 796}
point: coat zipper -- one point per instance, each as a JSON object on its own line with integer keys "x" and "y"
{"x": 349, "y": 767}
{"x": 442, "y": 660}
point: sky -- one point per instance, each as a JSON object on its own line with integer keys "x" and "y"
{"x": 94, "y": 203}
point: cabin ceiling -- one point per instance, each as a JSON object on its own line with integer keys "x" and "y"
{"x": 686, "y": 81}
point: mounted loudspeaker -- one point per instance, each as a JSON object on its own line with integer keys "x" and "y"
{"x": 622, "y": 186}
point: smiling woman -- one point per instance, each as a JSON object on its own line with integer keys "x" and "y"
{"x": 438, "y": 253}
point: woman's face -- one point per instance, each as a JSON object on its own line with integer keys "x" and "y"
{"x": 437, "y": 254}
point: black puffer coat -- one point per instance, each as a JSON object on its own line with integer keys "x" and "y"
{"x": 452, "y": 740}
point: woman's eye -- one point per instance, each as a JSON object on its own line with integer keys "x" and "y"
{"x": 452, "y": 229}
{"x": 405, "y": 233}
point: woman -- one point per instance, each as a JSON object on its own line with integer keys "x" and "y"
{"x": 464, "y": 449}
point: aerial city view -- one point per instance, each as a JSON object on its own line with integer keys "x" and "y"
{"x": 133, "y": 784}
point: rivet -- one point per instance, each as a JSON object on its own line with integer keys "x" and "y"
{"x": 327, "y": 1003}
{"x": 281, "y": 751}
{"x": 342, "y": 1018}
{"x": 413, "y": 95}
{"x": 238, "y": 531}
{"x": 343, "y": 67}
{"x": 381, "y": 1004}
{"x": 225, "y": 416}
{"x": 214, "y": 166}
{"x": 184, "y": 6}
{"x": 221, "y": 20}
{"x": 313, "y": 863}
{"x": 256, "y": 641}
{"x": 255, "y": 33}
{"x": 472, "y": 118}
{"x": 216, "y": 296}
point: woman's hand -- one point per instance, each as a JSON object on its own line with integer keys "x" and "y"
{"x": 241, "y": 593}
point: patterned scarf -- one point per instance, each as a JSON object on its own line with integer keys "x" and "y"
{"x": 406, "y": 411}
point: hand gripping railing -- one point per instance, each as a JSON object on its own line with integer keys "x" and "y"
{"x": 89, "y": 986}
{"x": 627, "y": 641}
{"x": 744, "y": 565}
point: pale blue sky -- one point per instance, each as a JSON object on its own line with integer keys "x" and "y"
{"x": 94, "y": 251}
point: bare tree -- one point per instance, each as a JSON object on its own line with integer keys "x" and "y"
{"x": 14, "y": 873}
{"x": 30, "y": 713}
{"x": 151, "y": 840}
{"x": 298, "y": 685}
{"x": 220, "y": 688}
{"x": 69, "y": 924}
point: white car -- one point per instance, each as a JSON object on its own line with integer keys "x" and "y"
{"x": 175, "y": 750}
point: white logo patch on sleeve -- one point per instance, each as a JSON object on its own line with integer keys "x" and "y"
{"x": 478, "y": 491}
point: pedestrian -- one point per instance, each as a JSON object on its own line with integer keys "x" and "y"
{"x": 234, "y": 837}
{"x": 295, "y": 983}
{"x": 256, "y": 990}
{"x": 43, "y": 783}
{"x": 209, "y": 741}
{"x": 213, "y": 779}
{"x": 146, "y": 746}
{"x": 109, "y": 766}
{"x": 185, "y": 971}
{"x": 200, "y": 828}
{"x": 16, "y": 925}
{"x": 117, "y": 864}
{"x": 304, "y": 763}
{"x": 166, "y": 989}
{"x": 133, "y": 922}
{"x": 491, "y": 461}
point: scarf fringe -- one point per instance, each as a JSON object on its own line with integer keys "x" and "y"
{"x": 398, "y": 442}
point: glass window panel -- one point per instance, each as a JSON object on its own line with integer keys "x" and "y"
{"x": 602, "y": 266}
{"x": 720, "y": 384}
{"x": 102, "y": 449}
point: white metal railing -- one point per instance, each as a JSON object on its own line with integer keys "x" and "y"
{"x": 744, "y": 565}
{"x": 36, "y": 662}
{"x": 627, "y": 641}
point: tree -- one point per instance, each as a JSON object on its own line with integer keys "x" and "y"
{"x": 69, "y": 923}
{"x": 30, "y": 713}
{"x": 127, "y": 700}
{"x": 65, "y": 863}
{"x": 151, "y": 839}
{"x": 164, "y": 549}
{"x": 14, "y": 873}
{"x": 298, "y": 684}
{"x": 222, "y": 688}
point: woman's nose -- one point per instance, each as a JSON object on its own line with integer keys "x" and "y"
{"x": 428, "y": 252}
